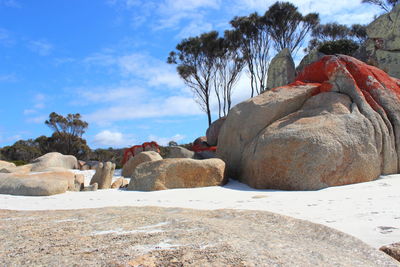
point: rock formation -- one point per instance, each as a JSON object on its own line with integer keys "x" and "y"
{"x": 282, "y": 70}
{"x": 40, "y": 183}
{"x": 133, "y": 162}
{"x": 179, "y": 152}
{"x": 311, "y": 57}
{"x": 392, "y": 250}
{"x": 213, "y": 131}
{"x": 177, "y": 173}
{"x": 120, "y": 183}
{"x": 339, "y": 123}
{"x": 383, "y": 45}
{"x": 104, "y": 174}
{"x": 54, "y": 159}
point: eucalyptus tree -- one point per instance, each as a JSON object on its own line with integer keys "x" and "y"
{"x": 196, "y": 65}
{"x": 334, "y": 38}
{"x": 254, "y": 42}
{"x": 287, "y": 26}
{"x": 229, "y": 65}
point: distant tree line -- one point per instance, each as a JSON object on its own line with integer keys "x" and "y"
{"x": 211, "y": 64}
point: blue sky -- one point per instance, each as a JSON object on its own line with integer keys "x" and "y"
{"x": 106, "y": 60}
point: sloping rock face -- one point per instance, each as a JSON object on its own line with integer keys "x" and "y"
{"x": 282, "y": 70}
{"x": 54, "y": 159}
{"x": 177, "y": 173}
{"x": 383, "y": 45}
{"x": 311, "y": 57}
{"x": 133, "y": 162}
{"x": 339, "y": 123}
{"x": 213, "y": 131}
{"x": 5, "y": 164}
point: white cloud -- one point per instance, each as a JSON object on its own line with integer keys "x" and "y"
{"x": 41, "y": 47}
{"x": 10, "y": 3}
{"x": 165, "y": 140}
{"x": 37, "y": 120}
{"x": 139, "y": 65}
{"x": 114, "y": 139}
{"x": 146, "y": 108}
{"x": 355, "y": 11}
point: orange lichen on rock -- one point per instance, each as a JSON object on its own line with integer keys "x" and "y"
{"x": 134, "y": 150}
{"x": 367, "y": 79}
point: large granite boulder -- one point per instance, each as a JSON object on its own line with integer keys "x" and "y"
{"x": 179, "y": 152}
{"x": 54, "y": 159}
{"x": 383, "y": 44}
{"x": 213, "y": 131}
{"x": 40, "y": 183}
{"x": 177, "y": 173}
{"x": 339, "y": 123}
{"x": 282, "y": 70}
{"x": 133, "y": 162}
{"x": 103, "y": 175}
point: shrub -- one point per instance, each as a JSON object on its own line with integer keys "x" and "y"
{"x": 343, "y": 46}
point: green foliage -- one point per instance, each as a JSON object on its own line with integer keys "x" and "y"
{"x": 251, "y": 33}
{"x": 334, "y": 38}
{"x": 287, "y": 26}
{"x": 342, "y": 46}
{"x": 24, "y": 150}
{"x": 195, "y": 58}
{"x": 19, "y": 162}
{"x": 110, "y": 154}
{"x": 67, "y": 136}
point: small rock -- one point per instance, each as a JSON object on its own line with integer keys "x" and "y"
{"x": 103, "y": 175}
{"x": 120, "y": 183}
{"x": 92, "y": 187}
{"x": 392, "y": 250}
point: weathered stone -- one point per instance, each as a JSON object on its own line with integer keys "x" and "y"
{"x": 37, "y": 184}
{"x": 282, "y": 70}
{"x": 177, "y": 173}
{"x": 189, "y": 237}
{"x": 248, "y": 118}
{"x": 383, "y": 46}
{"x": 392, "y": 250}
{"x": 6, "y": 164}
{"x": 311, "y": 57}
{"x": 133, "y": 162}
{"x": 92, "y": 187}
{"x": 206, "y": 154}
{"x": 347, "y": 131}
{"x": 326, "y": 143}
{"x": 179, "y": 152}
{"x": 120, "y": 183}
{"x": 79, "y": 182}
{"x": 213, "y": 131}
{"x": 104, "y": 174}
{"x": 19, "y": 169}
{"x": 54, "y": 159}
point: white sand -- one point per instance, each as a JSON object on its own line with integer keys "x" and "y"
{"x": 369, "y": 211}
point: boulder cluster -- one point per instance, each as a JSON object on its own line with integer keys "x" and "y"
{"x": 338, "y": 123}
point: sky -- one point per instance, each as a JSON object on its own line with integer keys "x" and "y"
{"x": 106, "y": 59}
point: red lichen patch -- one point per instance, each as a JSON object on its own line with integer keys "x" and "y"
{"x": 368, "y": 80}
{"x": 132, "y": 151}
